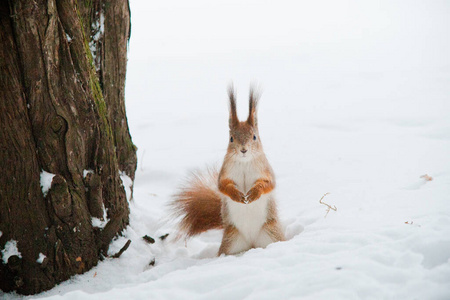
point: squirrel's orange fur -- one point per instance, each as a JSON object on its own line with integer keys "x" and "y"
{"x": 240, "y": 198}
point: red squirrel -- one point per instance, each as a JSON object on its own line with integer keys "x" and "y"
{"x": 239, "y": 199}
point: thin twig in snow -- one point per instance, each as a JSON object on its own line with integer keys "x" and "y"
{"x": 329, "y": 206}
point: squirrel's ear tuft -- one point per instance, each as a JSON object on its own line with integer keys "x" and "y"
{"x": 253, "y": 106}
{"x": 233, "y": 120}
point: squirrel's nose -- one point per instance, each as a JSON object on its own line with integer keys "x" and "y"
{"x": 244, "y": 150}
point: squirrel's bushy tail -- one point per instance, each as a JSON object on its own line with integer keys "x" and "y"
{"x": 198, "y": 204}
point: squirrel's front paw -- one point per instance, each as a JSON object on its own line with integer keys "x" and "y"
{"x": 238, "y": 197}
{"x": 252, "y": 195}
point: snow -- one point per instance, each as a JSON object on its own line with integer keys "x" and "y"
{"x": 355, "y": 102}
{"x": 46, "y": 181}
{"x": 98, "y": 28}
{"x": 96, "y": 222}
{"x": 86, "y": 172}
{"x": 41, "y": 258}
{"x": 127, "y": 184}
{"x": 9, "y": 250}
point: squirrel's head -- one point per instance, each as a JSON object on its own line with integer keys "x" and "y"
{"x": 244, "y": 142}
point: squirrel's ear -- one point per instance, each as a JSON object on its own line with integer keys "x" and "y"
{"x": 252, "y": 108}
{"x": 233, "y": 120}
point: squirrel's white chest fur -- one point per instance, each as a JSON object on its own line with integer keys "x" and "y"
{"x": 247, "y": 218}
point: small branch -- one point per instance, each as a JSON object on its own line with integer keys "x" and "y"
{"x": 152, "y": 262}
{"x": 124, "y": 248}
{"x": 328, "y": 206}
{"x": 149, "y": 239}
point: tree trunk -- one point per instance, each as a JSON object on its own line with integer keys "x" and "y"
{"x": 62, "y": 111}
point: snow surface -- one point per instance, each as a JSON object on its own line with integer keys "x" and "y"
{"x": 46, "y": 181}
{"x": 41, "y": 258}
{"x": 9, "y": 250}
{"x": 355, "y": 102}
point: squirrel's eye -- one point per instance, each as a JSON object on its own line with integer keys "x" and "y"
{"x": 254, "y": 137}
{"x": 231, "y": 139}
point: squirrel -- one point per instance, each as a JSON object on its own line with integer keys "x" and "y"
{"x": 240, "y": 198}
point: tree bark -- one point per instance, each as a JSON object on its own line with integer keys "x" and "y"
{"x": 62, "y": 111}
